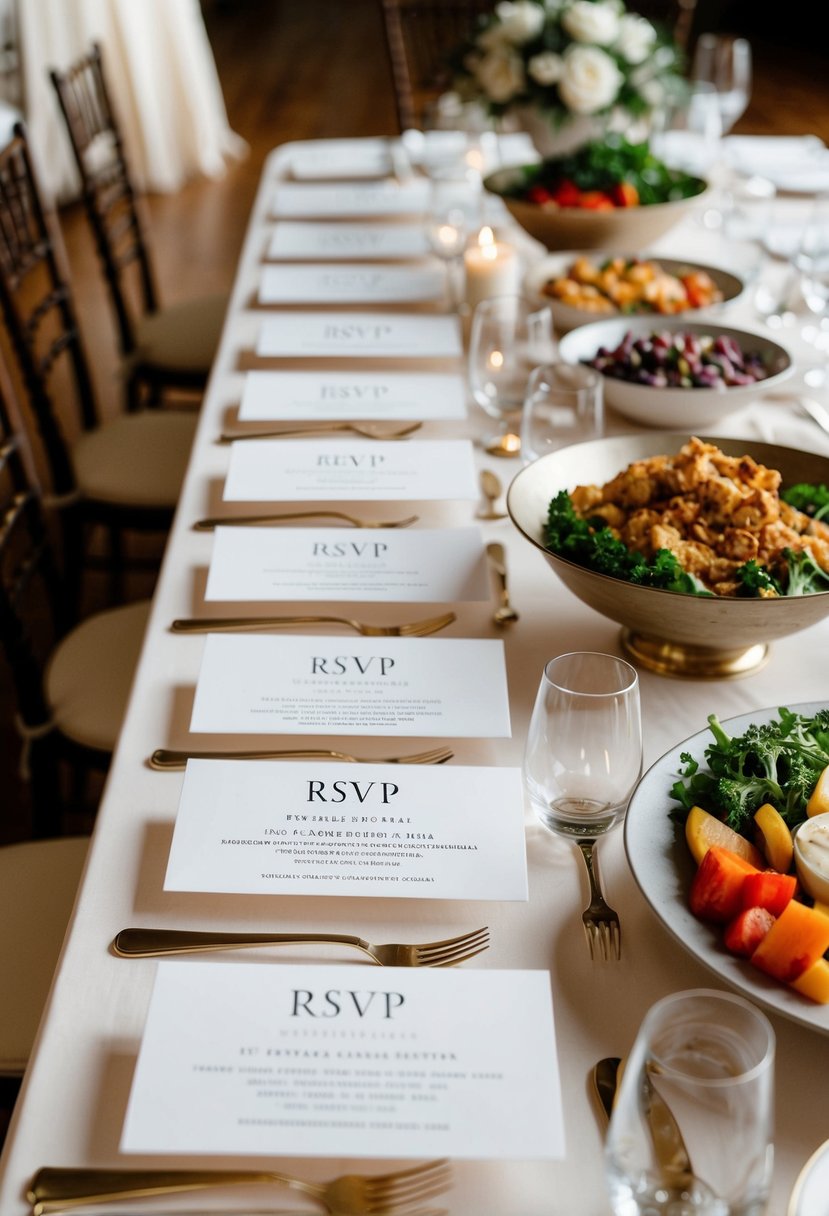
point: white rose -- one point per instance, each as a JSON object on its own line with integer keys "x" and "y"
{"x": 545, "y": 68}
{"x": 521, "y": 20}
{"x": 636, "y": 38}
{"x": 590, "y": 80}
{"x": 586, "y": 21}
{"x": 501, "y": 75}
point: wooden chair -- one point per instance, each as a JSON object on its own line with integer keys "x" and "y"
{"x": 71, "y": 684}
{"x": 124, "y": 474}
{"x": 420, "y": 36}
{"x": 163, "y": 348}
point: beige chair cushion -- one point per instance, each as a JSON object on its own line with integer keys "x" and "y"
{"x": 38, "y": 881}
{"x": 137, "y": 460}
{"x": 89, "y": 675}
{"x": 182, "y": 337}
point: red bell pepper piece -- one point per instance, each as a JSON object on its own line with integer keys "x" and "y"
{"x": 768, "y": 889}
{"x": 716, "y": 889}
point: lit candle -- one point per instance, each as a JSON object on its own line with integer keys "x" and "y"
{"x": 492, "y": 269}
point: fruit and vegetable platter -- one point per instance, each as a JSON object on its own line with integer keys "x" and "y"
{"x": 755, "y": 816}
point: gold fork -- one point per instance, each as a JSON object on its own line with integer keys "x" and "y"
{"x": 601, "y": 923}
{"x": 368, "y": 430}
{"x": 164, "y": 758}
{"x": 504, "y": 614}
{"x": 150, "y": 943}
{"x": 57, "y": 1189}
{"x": 223, "y": 624}
{"x": 289, "y": 517}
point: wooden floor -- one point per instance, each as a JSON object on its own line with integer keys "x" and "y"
{"x": 298, "y": 69}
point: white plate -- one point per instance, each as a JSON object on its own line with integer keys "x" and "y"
{"x": 809, "y": 1196}
{"x": 663, "y": 867}
{"x": 566, "y": 317}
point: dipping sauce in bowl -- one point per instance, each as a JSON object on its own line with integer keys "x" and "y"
{"x": 811, "y": 855}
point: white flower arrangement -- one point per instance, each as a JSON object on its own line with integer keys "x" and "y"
{"x": 568, "y": 58}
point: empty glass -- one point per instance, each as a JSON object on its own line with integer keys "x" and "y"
{"x": 584, "y": 746}
{"x": 691, "y": 1128}
{"x": 509, "y": 337}
{"x": 812, "y": 262}
{"x": 724, "y": 62}
{"x": 454, "y": 212}
{"x": 563, "y": 404}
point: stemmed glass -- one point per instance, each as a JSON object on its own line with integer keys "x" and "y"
{"x": 509, "y": 337}
{"x": 812, "y": 262}
{"x": 724, "y": 62}
{"x": 583, "y": 755}
{"x": 454, "y": 212}
{"x": 691, "y": 1128}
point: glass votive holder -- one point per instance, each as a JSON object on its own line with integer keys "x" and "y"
{"x": 563, "y": 404}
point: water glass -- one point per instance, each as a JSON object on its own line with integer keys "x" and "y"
{"x": 564, "y": 404}
{"x": 509, "y": 337}
{"x": 583, "y": 755}
{"x": 812, "y": 262}
{"x": 691, "y": 1129}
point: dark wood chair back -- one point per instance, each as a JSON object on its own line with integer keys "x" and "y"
{"x": 420, "y": 37}
{"x": 31, "y": 618}
{"x": 39, "y": 312}
{"x": 108, "y": 194}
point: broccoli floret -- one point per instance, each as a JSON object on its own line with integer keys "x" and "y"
{"x": 593, "y": 543}
{"x": 811, "y": 500}
{"x": 756, "y": 580}
{"x": 777, "y": 762}
{"x": 805, "y": 577}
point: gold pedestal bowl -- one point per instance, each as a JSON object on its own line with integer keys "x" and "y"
{"x": 689, "y": 636}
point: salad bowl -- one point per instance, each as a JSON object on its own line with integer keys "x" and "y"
{"x": 668, "y": 632}
{"x": 674, "y": 406}
{"x": 634, "y": 227}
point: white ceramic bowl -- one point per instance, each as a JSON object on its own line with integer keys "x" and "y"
{"x": 566, "y": 317}
{"x": 579, "y": 228}
{"x": 667, "y": 631}
{"x": 675, "y": 408}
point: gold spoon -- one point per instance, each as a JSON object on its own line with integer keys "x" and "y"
{"x": 368, "y": 430}
{"x": 491, "y": 489}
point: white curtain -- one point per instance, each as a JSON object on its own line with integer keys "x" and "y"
{"x": 161, "y": 76}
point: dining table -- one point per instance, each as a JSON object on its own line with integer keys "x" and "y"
{"x": 75, "y": 1094}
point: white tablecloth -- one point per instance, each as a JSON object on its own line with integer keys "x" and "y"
{"x": 74, "y": 1098}
{"x": 161, "y": 76}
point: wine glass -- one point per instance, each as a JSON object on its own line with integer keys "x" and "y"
{"x": 724, "y": 62}
{"x": 812, "y": 262}
{"x": 584, "y": 746}
{"x": 563, "y": 404}
{"x": 691, "y": 1128}
{"x": 509, "y": 337}
{"x": 583, "y": 754}
{"x": 454, "y": 212}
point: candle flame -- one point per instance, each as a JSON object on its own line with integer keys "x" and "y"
{"x": 486, "y": 243}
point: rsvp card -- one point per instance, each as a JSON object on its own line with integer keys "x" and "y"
{"x": 387, "y": 197}
{"x": 359, "y": 335}
{"x": 341, "y": 396}
{"x": 347, "y": 1061}
{"x": 264, "y": 684}
{"x": 380, "y": 565}
{"x": 338, "y": 470}
{"x": 342, "y": 158}
{"x": 320, "y": 828}
{"x": 351, "y": 284}
{"x": 303, "y": 239}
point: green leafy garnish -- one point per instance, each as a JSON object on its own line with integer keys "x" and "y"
{"x": 777, "y": 762}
